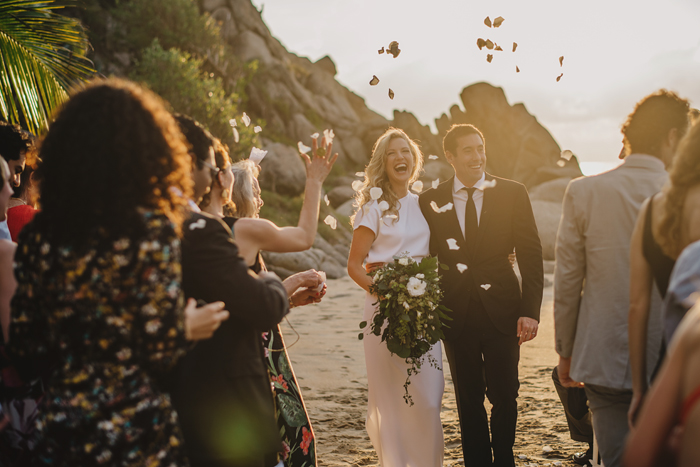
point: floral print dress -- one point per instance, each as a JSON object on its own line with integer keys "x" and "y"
{"x": 99, "y": 325}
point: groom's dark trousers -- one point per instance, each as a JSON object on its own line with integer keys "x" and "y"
{"x": 486, "y": 302}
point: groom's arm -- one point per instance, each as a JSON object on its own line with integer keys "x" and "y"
{"x": 528, "y": 250}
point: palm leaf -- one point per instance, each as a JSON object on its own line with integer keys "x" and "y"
{"x": 42, "y": 54}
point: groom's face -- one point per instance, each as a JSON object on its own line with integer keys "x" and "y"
{"x": 469, "y": 159}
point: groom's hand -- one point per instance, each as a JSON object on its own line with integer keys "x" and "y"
{"x": 527, "y": 329}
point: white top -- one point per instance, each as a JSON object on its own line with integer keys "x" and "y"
{"x": 409, "y": 233}
{"x": 461, "y": 196}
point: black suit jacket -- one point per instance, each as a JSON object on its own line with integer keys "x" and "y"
{"x": 221, "y": 387}
{"x": 506, "y": 223}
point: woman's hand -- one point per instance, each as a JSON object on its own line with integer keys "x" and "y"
{"x": 369, "y": 267}
{"x": 306, "y": 279}
{"x": 320, "y": 164}
{"x": 200, "y": 323}
{"x": 307, "y": 296}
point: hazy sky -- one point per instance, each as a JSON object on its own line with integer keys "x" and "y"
{"x": 615, "y": 52}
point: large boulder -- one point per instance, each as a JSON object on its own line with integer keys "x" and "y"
{"x": 547, "y": 217}
{"x": 313, "y": 258}
{"x": 552, "y": 190}
{"x": 282, "y": 170}
{"x": 340, "y": 195}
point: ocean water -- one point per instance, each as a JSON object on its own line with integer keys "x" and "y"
{"x": 596, "y": 167}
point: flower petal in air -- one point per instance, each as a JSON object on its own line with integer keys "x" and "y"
{"x": 567, "y": 154}
{"x": 432, "y": 157}
{"x": 327, "y": 201}
{"x": 232, "y": 122}
{"x": 329, "y": 135}
{"x": 487, "y": 22}
{"x": 315, "y": 136}
{"x": 360, "y": 174}
{"x": 331, "y": 221}
{"x": 561, "y": 163}
{"x": 383, "y": 205}
{"x": 357, "y": 185}
{"x": 374, "y": 81}
{"x": 257, "y": 129}
{"x": 375, "y": 192}
{"x": 435, "y": 183}
{"x": 452, "y": 243}
{"x": 417, "y": 186}
{"x": 391, "y": 94}
{"x": 488, "y": 184}
{"x": 236, "y": 136}
{"x": 246, "y": 119}
{"x": 304, "y": 149}
{"x": 498, "y": 21}
{"x": 461, "y": 267}
{"x": 485, "y": 286}
{"x": 257, "y": 155}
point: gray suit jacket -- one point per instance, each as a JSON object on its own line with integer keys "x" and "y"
{"x": 591, "y": 276}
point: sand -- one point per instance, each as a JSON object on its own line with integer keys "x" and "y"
{"x": 328, "y": 360}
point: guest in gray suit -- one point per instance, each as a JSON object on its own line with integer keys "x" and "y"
{"x": 591, "y": 277}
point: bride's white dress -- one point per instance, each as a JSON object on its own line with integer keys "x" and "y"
{"x": 403, "y": 435}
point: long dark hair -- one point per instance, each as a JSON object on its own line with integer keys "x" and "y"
{"x": 112, "y": 150}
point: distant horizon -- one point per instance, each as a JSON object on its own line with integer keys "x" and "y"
{"x": 613, "y": 56}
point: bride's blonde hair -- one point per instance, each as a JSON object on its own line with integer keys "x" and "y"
{"x": 376, "y": 176}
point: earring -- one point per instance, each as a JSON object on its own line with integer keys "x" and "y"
{"x": 225, "y": 194}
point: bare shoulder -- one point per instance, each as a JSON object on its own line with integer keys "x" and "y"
{"x": 7, "y": 251}
{"x": 687, "y": 336}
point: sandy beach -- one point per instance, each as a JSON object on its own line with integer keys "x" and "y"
{"x": 329, "y": 364}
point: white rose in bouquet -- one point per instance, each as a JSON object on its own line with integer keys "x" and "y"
{"x": 416, "y": 287}
{"x": 403, "y": 261}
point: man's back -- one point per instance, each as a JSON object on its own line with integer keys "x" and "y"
{"x": 592, "y": 271}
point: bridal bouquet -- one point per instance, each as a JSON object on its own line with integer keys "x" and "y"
{"x": 409, "y": 317}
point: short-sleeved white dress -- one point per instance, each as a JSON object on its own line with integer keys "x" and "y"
{"x": 403, "y": 435}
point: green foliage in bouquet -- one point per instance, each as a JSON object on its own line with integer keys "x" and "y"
{"x": 409, "y": 317}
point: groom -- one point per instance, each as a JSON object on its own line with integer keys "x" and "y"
{"x": 492, "y": 317}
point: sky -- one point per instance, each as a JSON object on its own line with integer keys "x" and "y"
{"x": 615, "y": 52}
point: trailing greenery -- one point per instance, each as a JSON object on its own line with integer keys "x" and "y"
{"x": 42, "y": 54}
{"x": 178, "y": 78}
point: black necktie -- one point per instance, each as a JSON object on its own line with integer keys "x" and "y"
{"x": 471, "y": 223}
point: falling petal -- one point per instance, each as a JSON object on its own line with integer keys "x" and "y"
{"x": 331, "y": 221}
{"x": 391, "y": 216}
{"x": 417, "y": 186}
{"x": 561, "y": 163}
{"x": 381, "y": 51}
{"x": 480, "y": 43}
{"x": 329, "y": 135}
{"x": 489, "y": 44}
{"x": 485, "y": 286}
{"x": 375, "y": 192}
{"x": 394, "y": 49}
{"x": 461, "y": 267}
{"x": 517, "y": 70}
{"x": 232, "y": 122}
{"x": 435, "y": 207}
{"x": 489, "y": 57}
{"x": 487, "y": 22}
{"x": 498, "y": 21}
{"x": 246, "y": 119}
{"x": 447, "y": 207}
{"x": 567, "y": 154}
{"x": 432, "y": 157}
{"x": 452, "y": 243}
{"x": 391, "y": 94}
{"x": 383, "y": 206}
{"x": 236, "y": 136}
{"x": 515, "y": 46}
{"x": 561, "y": 61}
{"x": 488, "y": 184}
{"x": 559, "y": 77}
{"x": 357, "y": 185}
{"x": 257, "y": 129}
{"x": 498, "y": 48}
{"x": 374, "y": 81}
{"x": 257, "y": 155}
{"x": 360, "y": 174}
{"x": 304, "y": 149}
{"x": 315, "y": 136}
{"x": 435, "y": 183}
{"x": 327, "y": 201}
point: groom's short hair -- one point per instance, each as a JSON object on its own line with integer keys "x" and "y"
{"x": 449, "y": 142}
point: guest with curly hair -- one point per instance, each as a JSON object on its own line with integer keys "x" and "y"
{"x": 98, "y": 313}
{"x": 655, "y": 128}
{"x": 15, "y": 145}
{"x": 252, "y": 235}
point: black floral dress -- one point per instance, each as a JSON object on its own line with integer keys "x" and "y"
{"x": 298, "y": 439}
{"x": 99, "y": 326}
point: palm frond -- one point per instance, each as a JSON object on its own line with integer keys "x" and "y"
{"x": 42, "y": 54}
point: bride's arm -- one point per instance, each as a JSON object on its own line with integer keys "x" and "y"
{"x": 362, "y": 239}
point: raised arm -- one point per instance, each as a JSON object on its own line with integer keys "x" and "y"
{"x": 254, "y": 235}
{"x": 641, "y": 283}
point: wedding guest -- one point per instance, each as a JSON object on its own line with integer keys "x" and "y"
{"x": 221, "y": 389}
{"x": 7, "y": 253}
{"x": 668, "y": 426}
{"x": 667, "y": 222}
{"x": 252, "y": 235}
{"x": 98, "y": 311}
{"x": 591, "y": 278}
{"x": 22, "y": 205}
{"x": 578, "y": 417}
{"x": 682, "y": 289}
{"x": 14, "y": 145}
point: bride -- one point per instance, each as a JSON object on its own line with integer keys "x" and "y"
{"x": 403, "y": 435}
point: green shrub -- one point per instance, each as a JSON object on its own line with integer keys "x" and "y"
{"x": 175, "y": 23}
{"x": 177, "y": 77}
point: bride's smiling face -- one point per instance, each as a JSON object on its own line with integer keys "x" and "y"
{"x": 399, "y": 162}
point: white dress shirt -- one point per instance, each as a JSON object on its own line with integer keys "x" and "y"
{"x": 461, "y": 196}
